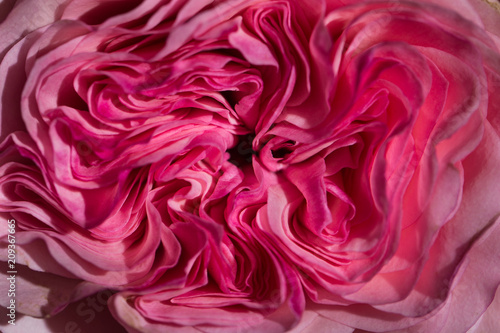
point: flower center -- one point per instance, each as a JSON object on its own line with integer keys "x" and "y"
{"x": 242, "y": 153}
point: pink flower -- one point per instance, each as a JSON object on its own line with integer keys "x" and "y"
{"x": 253, "y": 166}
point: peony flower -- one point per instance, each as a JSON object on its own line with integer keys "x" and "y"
{"x": 251, "y": 166}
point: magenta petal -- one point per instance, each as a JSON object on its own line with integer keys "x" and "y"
{"x": 252, "y": 166}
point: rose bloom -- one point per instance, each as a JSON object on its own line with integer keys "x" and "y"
{"x": 250, "y": 165}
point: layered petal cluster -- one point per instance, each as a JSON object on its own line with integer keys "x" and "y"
{"x": 254, "y": 165}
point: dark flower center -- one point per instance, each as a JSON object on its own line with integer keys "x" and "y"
{"x": 241, "y": 154}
